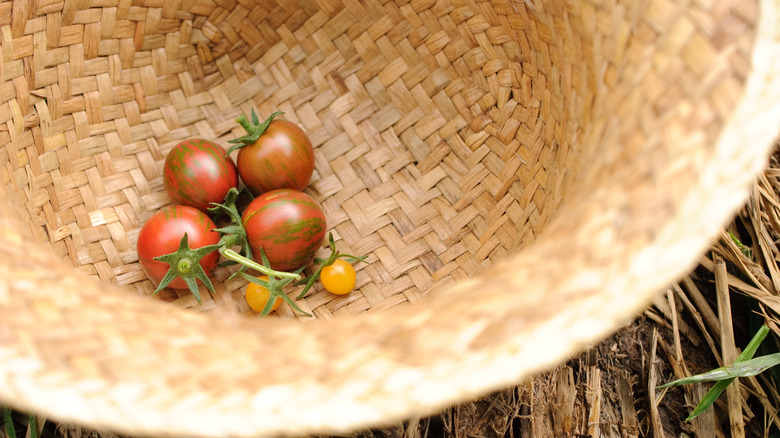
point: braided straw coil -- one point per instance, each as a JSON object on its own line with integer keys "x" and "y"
{"x": 524, "y": 176}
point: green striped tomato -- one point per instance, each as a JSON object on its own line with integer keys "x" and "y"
{"x": 197, "y": 172}
{"x": 281, "y": 158}
{"x": 288, "y": 225}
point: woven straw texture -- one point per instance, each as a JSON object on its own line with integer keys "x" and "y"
{"x": 524, "y": 176}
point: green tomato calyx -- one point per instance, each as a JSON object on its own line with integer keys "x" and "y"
{"x": 254, "y": 129}
{"x": 185, "y": 264}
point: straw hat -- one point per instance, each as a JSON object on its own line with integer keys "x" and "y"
{"x": 523, "y": 176}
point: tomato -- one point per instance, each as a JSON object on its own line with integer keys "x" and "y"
{"x": 161, "y": 235}
{"x": 257, "y": 296}
{"x": 276, "y": 154}
{"x": 197, "y": 172}
{"x": 288, "y": 225}
{"x": 338, "y": 278}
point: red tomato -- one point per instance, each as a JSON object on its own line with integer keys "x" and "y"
{"x": 197, "y": 172}
{"x": 162, "y": 233}
{"x": 288, "y": 225}
{"x": 338, "y": 278}
{"x": 281, "y": 158}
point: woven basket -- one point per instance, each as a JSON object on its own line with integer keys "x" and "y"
{"x": 524, "y": 176}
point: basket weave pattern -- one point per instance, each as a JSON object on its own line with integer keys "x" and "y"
{"x": 430, "y": 169}
{"x": 510, "y": 168}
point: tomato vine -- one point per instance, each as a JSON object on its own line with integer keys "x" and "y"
{"x": 185, "y": 261}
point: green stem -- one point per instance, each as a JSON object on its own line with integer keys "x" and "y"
{"x": 249, "y": 127}
{"x": 228, "y": 241}
{"x": 236, "y": 257}
{"x": 254, "y": 129}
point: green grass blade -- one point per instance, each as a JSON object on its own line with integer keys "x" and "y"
{"x": 709, "y": 398}
{"x": 718, "y": 388}
{"x": 742, "y": 247}
{"x": 33, "y": 426}
{"x": 754, "y": 367}
{"x": 8, "y": 423}
{"x": 753, "y": 345}
{"x": 746, "y": 368}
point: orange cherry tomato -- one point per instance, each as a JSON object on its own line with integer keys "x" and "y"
{"x": 338, "y": 278}
{"x": 257, "y": 296}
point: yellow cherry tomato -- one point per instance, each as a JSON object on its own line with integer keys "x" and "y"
{"x": 338, "y": 278}
{"x": 257, "y": 296}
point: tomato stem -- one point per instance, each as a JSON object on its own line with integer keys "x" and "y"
{"x": 184, "y": 266}
{"x": 185, "y": 261}
{"x": 236, "y": 257}
{"x": 233, "y": 234}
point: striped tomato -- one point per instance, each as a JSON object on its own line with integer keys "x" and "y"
{"x": 275, "y": 154}
{"x": 288, "y": 225}
{"x": 197, "y": 172}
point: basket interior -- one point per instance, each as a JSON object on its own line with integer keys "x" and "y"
{"x": 441, "y": 129}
